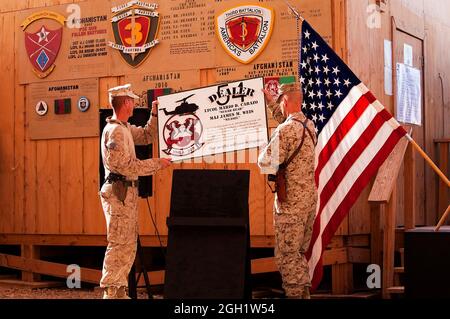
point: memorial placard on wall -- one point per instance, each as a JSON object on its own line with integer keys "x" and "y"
{"x": 185, "y": 37}
{"x": 212, "y": 120}
{"x": 275, "y": 68}
{"x": 63, "y": 109}
{"x": 175, "y": 81}
{"x": 95, "y": 38}
{"x": 63, "y": 42}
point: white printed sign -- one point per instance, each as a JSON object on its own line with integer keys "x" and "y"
{"x": 409, "y": 95}
{"x": 216, "y": 119}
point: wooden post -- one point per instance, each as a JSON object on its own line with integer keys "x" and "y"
{"x": 376, "y": 239}
{"x": 342, "y": 279}
{"x": 409, "y": 188}
{"x": 30, "y": 252}
{"x": 389, "y": 244}
{"x": 443, "y": 165}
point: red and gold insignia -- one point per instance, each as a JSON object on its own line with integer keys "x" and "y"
{"x": 245, "y": 31}
{"x": 42, "y": 42}
{"x": 135, "y": 26}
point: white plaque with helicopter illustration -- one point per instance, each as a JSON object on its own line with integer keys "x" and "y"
{"x": 211, "y": 120}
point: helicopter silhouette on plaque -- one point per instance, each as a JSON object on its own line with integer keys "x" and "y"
{"x": 183, "y": 108}
{"x": 183, "y": 130}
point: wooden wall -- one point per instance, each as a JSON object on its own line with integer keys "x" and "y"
{"x": 50, "y": 186}
{"x": 419, "y": 23}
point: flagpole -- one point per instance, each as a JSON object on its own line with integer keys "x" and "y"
{"x": 444, "y": 217}
{"x": 299, "y": 19}
{"x": 437, "y": 170}
{"x": 294, "y": 11}
{"x": 429, "y": 160}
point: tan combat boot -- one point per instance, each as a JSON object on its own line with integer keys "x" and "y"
{"x": 122, "y": 293}
{"x": 110, "y": 293}
{"x": 306, "y": 293}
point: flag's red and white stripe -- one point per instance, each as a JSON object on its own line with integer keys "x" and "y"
{"x": 357, "y": 139}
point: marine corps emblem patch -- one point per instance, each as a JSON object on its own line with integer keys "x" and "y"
{"x": 135, "y": 26}
{"x": 42, "y": 41}
{"x": 244, "y": 31}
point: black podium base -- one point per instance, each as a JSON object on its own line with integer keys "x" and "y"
{"x": 427, "y": 263}
{"x": 208, "y": 241}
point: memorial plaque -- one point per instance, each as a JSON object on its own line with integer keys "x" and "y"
{"x": 82, "y": 52}
{"x": 63, "y": 109}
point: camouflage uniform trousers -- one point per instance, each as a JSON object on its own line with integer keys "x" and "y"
{"x": 122, "y": 230}
{"x": 293, "y": 230}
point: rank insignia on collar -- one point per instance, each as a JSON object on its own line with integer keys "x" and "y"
{"x": 42, "y": 42}
{"x": 244, "y": 31}
{"x": 135, "y": 26}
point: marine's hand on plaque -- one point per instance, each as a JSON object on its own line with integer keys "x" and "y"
{"x": 155, "y": 104}
{"x": 165, "y": 162}
{"x": 268, "y": 97}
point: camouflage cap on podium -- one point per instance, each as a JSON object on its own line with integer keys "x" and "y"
{"x": 123, "y": 90}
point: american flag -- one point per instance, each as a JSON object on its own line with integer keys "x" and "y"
{"x": 355, "y": 134}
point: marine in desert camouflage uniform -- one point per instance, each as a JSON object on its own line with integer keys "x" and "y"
{"x": 119, "y": 159}
{"x": 293, "y": 219}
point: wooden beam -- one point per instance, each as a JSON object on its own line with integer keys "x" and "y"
{"x": 358, "y": 255}
{"x": 59, "y": 270}
{"x": 410, "y": 188}
{"x": 100, "y": 240}
{"x": 389, "y": 244}
{"x": 330, "y": 257}
{"x": 357, "y": 241}
{"x": 443, "y": 165}
{"x": 146, "y": 240}
{"x": 30, "y": 252}
{"x": 388, "y": 173}
{"x": 263, "y": 265}
{"x": 336, "y": 242}
{"x": 376, "y": 237}
{"x": 53, "y": 240}
{"x": 335, "y": 256}
{"x": 342, "y": 279}
{"x": 46, "y": 268}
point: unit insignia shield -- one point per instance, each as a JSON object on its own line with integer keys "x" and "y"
{"x": 135, "y": 26}
{"x": 245, "y": 31}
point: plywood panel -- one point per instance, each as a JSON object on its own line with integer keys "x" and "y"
{"x": 19, "y": 158}
{"x": 30, "y": 160}
{"x": 104, "y": 85}
{"x": 257, "y": 203}
{"x": 6, "y": 6}
{"x": 48, "y": 186}
{"x": 437, "y": 104}
{"x": 93, "y": 219}
{"x": 7, "y": 97}
{"x": 401, "y": 38}
{"x": 71, "y": 185}
{"x": 269, "y": 197}
{"x": 409, "y": 16}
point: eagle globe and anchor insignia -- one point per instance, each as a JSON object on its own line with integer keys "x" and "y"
{"x": 244, "y": 31}
{"x": 183, "y": 130}
{"x": 43, "y": 40}
{"x": 135, "y": 25}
